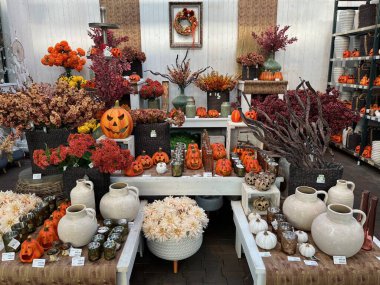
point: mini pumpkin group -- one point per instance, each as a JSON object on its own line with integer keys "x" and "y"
{"x": 144, "y": 162}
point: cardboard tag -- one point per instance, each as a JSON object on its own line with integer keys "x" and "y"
{"x": 8, "y": 256}
{"x": 14, "y": 243}
{"x": 277, "y": 79}
{"x": 77, "y": 261}
{"x": 75, "y": 252}
{"x": 37, "y": 176}
{"x": 339, "y": 259}
{"x": 153, "y": 134}
{"x": 38, "y": 263}
{"x": 311, "y": 262}
{"x": 321, "y": 179}
{"x": 294, "y": 258}
{"x": 207, "y": 174}
{"x": 265, "y": 254}
{"x": 185, "y": 176}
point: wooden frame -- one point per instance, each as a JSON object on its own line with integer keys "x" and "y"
{"x": 177, "y": 40}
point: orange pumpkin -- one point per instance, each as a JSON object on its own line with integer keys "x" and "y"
{"x": 247, "y": 158}
{"x": 376, "y": 82}
{"x": 224, "y": 161}
{"x": 235, "y": 116}
{"x": 134, "y": 77}
{"x": 213, "y": 113}
{"x": 351, "y": 79}
{"x": 194, "y": 160}
{"x": 355, "y": 53}
{"x": 343, "y": 79}
{"x": 136, "y": 168}
{"x": 253, "y": 165}
{"x": 46, "y": 237}
{"x": 364, "y": 80}
{"x": 218, "y": 152}
{"x": 116, "y": 52}
{"x": 245, "y": 153}
{"x": 51, "y": 223}
{"x": 145, "y": 160}
{"x": 201, "y": 112}
{"x": 357, "y": 149}
{"x": 57, "y": 215}
{"x": 116, "y": 123}
{"x": 30, "y": 249}
{"x": 266, "y": 76}
{"x": 251, "y": 115}
{"x": 367, "y": 153}
{"x": 63, "y": 206}
{"x": 346, "y": 54}
{"x": 278, "y": 75}
{"x": 191, "y": 145}
{"x": 160, "y": 156}
{"x": 223, "y": 167}
{"x": 336, "y": 138}
{"x": 238, "y": 150}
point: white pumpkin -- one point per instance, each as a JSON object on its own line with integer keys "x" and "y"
{"x": 302, "y": 236}
{"x": 257, "y": 225}
{"x": 252, "y": 216}
{"x": 266, "y": 240}
{"x": 307, "y": 250}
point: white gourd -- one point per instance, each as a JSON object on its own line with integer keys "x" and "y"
{"x": 266, "y": 240}
{"x": 302, "y": 236}
{"x": 307, "y": 250}
{"x": 257, "y": 225}
{"x": 252, "y": 216}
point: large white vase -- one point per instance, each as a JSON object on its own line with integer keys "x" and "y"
{"x": 342, "y": 193}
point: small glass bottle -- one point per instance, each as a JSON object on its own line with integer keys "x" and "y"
{"x": 176, "y": 168}
{"x": 191, "y": 110}
{"x": 225, "y": 109}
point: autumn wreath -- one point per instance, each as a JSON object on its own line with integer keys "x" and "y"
{"x": 185, "y": 15}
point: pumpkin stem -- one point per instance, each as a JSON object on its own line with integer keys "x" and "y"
{"x": 117, "y": 105}
{"x": 29, "y": 238}
{"x": 265, "y": 233}
{"x": 258, "y": 220}
{"x": 143, "y": 152}
{"x": 46, "y": 229}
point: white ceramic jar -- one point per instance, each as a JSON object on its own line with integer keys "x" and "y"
{"x": 342, "y": 193}
{"x": 121, "y": 202}
{"x": 78, "y": 225}
{"x": 301, "y": 208}
{"x": 337, "y": 232}
{"x": 83, "y": 193}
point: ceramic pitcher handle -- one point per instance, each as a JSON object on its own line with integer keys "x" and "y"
{"x": 324, "y": 193}
{"x": 91, "y": 212}
{"x": 351, "y": 185}
{"x": 89, "y": 183}
{"x": 364, "y": 216}
{"x": 134, "y": 191}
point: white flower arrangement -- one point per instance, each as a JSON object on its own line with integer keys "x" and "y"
{"x": 173, "y": 219}
{"x": 13, "y": 206}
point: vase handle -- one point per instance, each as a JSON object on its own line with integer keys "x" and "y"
{"x": 351, "y": 185}
{"x": 91, "y": 212}
{"x": 364, "y": 216}
{"x": 89, "y": 183}
{"x": 324, "y": 193}
{"x": 134, "y": 191}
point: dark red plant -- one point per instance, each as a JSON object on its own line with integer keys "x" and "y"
{"x": 151, "y": 89}
{"x": 96, "y": 35}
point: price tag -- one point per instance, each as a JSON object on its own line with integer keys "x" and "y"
{"x": 265, "y": 254}
{"x": 294, "y": 258}
{"x": 207, "y": 174}
{"x": 197, "y": 175}
{"x": 8, "y": 256}
{"x": 311, "y": 262}
{"x": 37, "y": 176}
{"x": 77, "y": 261}
{"x": 186, "y": 176}
{"x": 340, "y": 260}
{"x": 255, "y": 79}
{"x": 277, "y": 79}
{"x": 75, "y": 252}
{"x": 91, "y": 165}
{"x": 321, "y": 179}
{"x": 147, "y": 175}
{"x": 38, "y": 263}
{"x": 153, "y": 134}
{"x": 14, "y": 243}
{"x": 130, "y": 224}
{"x": 64, "y": 168}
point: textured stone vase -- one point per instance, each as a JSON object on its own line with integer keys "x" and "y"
{"x": 180, "y": 101}
{"x": 83, "y": 193}
{"x": 342, "y": 193}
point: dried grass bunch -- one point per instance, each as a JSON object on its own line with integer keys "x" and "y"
{"x": 215, "y": 82}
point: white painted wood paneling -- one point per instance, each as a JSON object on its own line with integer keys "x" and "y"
{"x": 219, "y": 41}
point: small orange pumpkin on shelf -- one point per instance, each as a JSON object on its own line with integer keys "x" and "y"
{"x": 343, "y": 78}
{"x": 238, "y": 150}
{"x": 50, "y": 222}
{"x": 30, "y": 249}
{"x": 57, "y": 215}
{"x": 336, "y": 138}
{"x": 278, "y": 76}
{"x": 235, "y": 116}
{"x": 376, "y": 82}
{"x": 160, "y": 156}
{"x": 253, "y": 165}
{"x": 218, "y": 151}
{"x": 46, "y": 237}
{"x": 201, "y": 112}
{"x": 346, "y": 53}
{"x": 245, "y": 153}
{"x": 364, "y": 81}
{"x": 266, "y": 76}
{"x": 135, "y": 169}
{"x": 145, "y": 160}
{"x": 213, "y": 113}
{"x": 116, "y": 123}
{"x": 63, "y": 206}
{"x": 116, "y": 52}
{"x": 194, "y": 160}
{"x": 191, "y": 145}
{"x": 350, "y": 79}
{"x": 355, "y": 53}
{"x": 223, "y": 167}
{"x": 134, "y": 77}
{"x": 247, "y": 158}
{"x": 251, "y": 115}
{"x": 367, "y": 152}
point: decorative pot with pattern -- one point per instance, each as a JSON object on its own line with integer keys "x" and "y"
{"x": 342, "y": 193}
{"x": 83, "y": 193}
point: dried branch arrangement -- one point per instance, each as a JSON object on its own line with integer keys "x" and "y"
{"x": 302, "y": 142}
{"x": 181, "y": 74}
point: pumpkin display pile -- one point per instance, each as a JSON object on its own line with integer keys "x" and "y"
{"x": 193, "y": 157}
{"x": 269, "y": 76}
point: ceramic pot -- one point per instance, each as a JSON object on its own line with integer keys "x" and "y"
{"x": 180, "y": 101}
{"x": 121, "y": 202}
{"x": 271, "y": 64}
{"x": 83, "y": 193}
{"x": 301, "y": 208}
{"x": 78, "y": 225}
{"x": 190, "y": 110}
{"x": 337, "y": 232}
{"x": 342, "y": 193}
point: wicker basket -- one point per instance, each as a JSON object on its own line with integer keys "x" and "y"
{"x": 249, "y": 72}
{"x": 367, "y": 15}
{"x": 39, "y": 139}
{"x": 173, "y": 250}
{"x": 215, "y": 100}
{"x": 265, "y": 87}
{"x": 150, "y": 137}
{"x": 309, "y": 177}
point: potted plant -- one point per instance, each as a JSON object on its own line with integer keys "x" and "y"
{"x": 151, "y": 91}
{"x": 218, "y": 88}
{"x": 272, "y": 40}
{"x": 181, "y": 75}
{"x": 250, "y": 64}
{"x": 174, "y": 228}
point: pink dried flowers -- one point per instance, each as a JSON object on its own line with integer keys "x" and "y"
{"x": 250, "y": 59}
{"x": 274, "y": 39}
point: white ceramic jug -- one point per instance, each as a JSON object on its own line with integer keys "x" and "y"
{"x": 121, "y": 202}
{"x": 342, "y": 193}
{"x": 83, "y": 193}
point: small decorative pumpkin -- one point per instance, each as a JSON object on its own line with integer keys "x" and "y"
{"x": 51, "y": 222}
{"x": 253, "y": 165}
{"x": 223, "y": 167}
{"x": 247, "y": 158}
{"x": 367, "y": 152}
{"x": 261, "y": 203}
{"x": 258, "y": 225}
{"x": 30, "y": 249}
{"x": 264, "y": 181}
{"x": 346, "y": 53}
{"x": 252, "y": 216}
{"x": 57, "y": 215}
{"x": 235, "y": 116}
{"x": 116, "y": 52}
{"x": 194, "y": 161}
{"x": 336, "y": 138}
{"x": 213, "y": 113}
{"x": 350, "y": 79}
{"x": 134, "y": 77}
{"x": 245, "y": 153}
{"x": 145, "y": 160}
{"x": 219, "y": 152}
{"x": 307, "y": 250}
{"x": 161, "y": 168}
{"x": 302, "y": 236}
{"x": 238, "y": 150}
{"x": 160, "y": 156}
{"x": 191, "y": 145}
{"x": 251, "y": 115}
{"x": 116, "y": 123}
{"x": 266, "y": 76}
{"x": 343, "y": 79}
{"x": 135, "y": 169}
{"x": 266, "y": 240}
{"x": 250, "y": 178}
{"x": 364, "y": 81}
{"x": 46, "y": 237}
{"x": 278, "y": 75}
{"x": 201, "y": 112}
{"x": 64, "y": 205}
{"x": 376, "y": 82}
{"x": 355, "y": 53}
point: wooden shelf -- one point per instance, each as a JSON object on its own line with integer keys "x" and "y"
{"x": 356, "y": 86}
{"x": 359, "y": 31}
{"x": 358, "y": 58}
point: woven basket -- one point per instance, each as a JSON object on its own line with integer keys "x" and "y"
{"x": 265, "y": 87}
{"x": 366, "y": 43}
{"x": 101, "y": 181}
{"x": 308, "y": 177}
{"x": 367, "y": 15}
{"x": 249, "y": 72}
{"x": 39, "y": 139}
{"x": 173, "y": 250}
{"x": 150, "y": 137}
{"x": 215, "y": 100}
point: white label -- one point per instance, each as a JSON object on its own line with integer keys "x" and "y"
{"x": 91, "y": 165}
{"x": 277, "y": 79}
{"x": 255, "y": 79}
{"x": 153, "y": 134}
{"x": 64, "y": 168}
{"x": 8, "y": 256}
{"x": 340, "y": 260}
{"x": 77, "y": 261}
{"x": 38, "y": 263}
{"x": 265, "y": 254}
{"x": 14, "y": 243}
{"x": 37, "y": 176}
{"x": 197, "y": 175}
{"x": 311, "y": 262}
{"x": 75, "y": 252}
{"x": 147, "y": 175}
{"x": 321, "y": 178}
{"x": 207, "y": 174}
{"x": 294, "y": 258}
{"x": 186, "y": 176}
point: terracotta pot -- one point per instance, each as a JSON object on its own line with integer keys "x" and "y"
{"x": 83, "y": 193}
{"x": 121, "y": 202}
{"x": 78, "y": 225}
{"x": 342, "y": 193}
{"x": 337, "y": 232}
{"x": 303, "y": 207}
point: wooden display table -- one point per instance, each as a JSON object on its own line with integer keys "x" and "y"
{"x": 117, "y": 271}
{"x": 361, "y": 269}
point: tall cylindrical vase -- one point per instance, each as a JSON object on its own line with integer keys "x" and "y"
{"x": 180, "y": 101}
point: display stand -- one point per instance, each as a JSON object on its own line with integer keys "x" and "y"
{"x": 250, "y": 193}
{"x": 135, "y": 100}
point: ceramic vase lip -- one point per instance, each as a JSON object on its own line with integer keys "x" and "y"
{"x": 76, "y": 210}
{"x": 306, "y": 193}
{"x": 339, "y": 213}
{"x": 118, "y": 189}
{"x": 81, "y": 181}
{"x": 341, "y": 182}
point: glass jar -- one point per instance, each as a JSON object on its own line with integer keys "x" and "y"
{"x": 225, "y": 109}
{"x": 109, "y": 248}
{"x": 30, "y": 220}
{"x": 94, "y": 251}
{"x": 289, "y": 242}
{"x": 176, "y": 168}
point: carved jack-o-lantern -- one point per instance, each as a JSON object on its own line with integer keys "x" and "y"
{"x": 160, "y": 156}
{"x": 30, "y": 249}
{"x": 218, "y": 151}
{"x": 136, "y": 168}
{"x": 223, "y": 167}
{"x": 201, "y": 112}
{"x": 252, "y": 165}
{"x": 145, "y": 160}
{"x": 46, "y": 237}
{"x": 116, "y": 123}
{"x": 261, "y": 204}
{"x": 194, "y": 160}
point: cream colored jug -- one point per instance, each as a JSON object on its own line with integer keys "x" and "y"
{"x": 83, "y": 193}
{"x": 342, "y": 193}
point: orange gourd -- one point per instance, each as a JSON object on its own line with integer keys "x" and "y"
{"x": 51, "y": 223}
{"x": 376, "y": 82}
{"x": 336, "y": 138}
{"x": 192, "y": 145}
{"x": 218, "y": 151}
{"x": 134, "y": 77}
{"x": 266, "y": 76}
{"x": 223, "y": 167}
{"x": 235, "y": 116}
{"x": 136, "y": 168}
{"x": 357, "y": 149}
{"x": 253, "y": 165}
{"x": 63, "y": 206}
{"x": 238, "y": 150}
{"x": 247, "y": 158}
{"x": 346, "y": 54}
{"x": 364, "y": 80}
{"x": 245, "y": 153}
{"x": 30, "y": 249}
{"x": 46, "y": 237}
{"x": 251, "y": 115}
{"x": 191, "y": 150}
{"x": 343, "y": 79}
{"x": 224, "y": 161}
{"x": 367, "y": 153}
{"x": 116, "y": 52}
{"x": 213, "y": 113}
{"x": 278, "y": 75}
{"x": 194, "y": 160}
{"x": 145, "y": 160}
{"x": 57, "y": 215}
{"x": 201, "y": 112}
{"x": 160, "y": 156}
{"x": 355, "y": 53}
{"x": 350, "y": 79}
{"x": 116, "y": 123}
